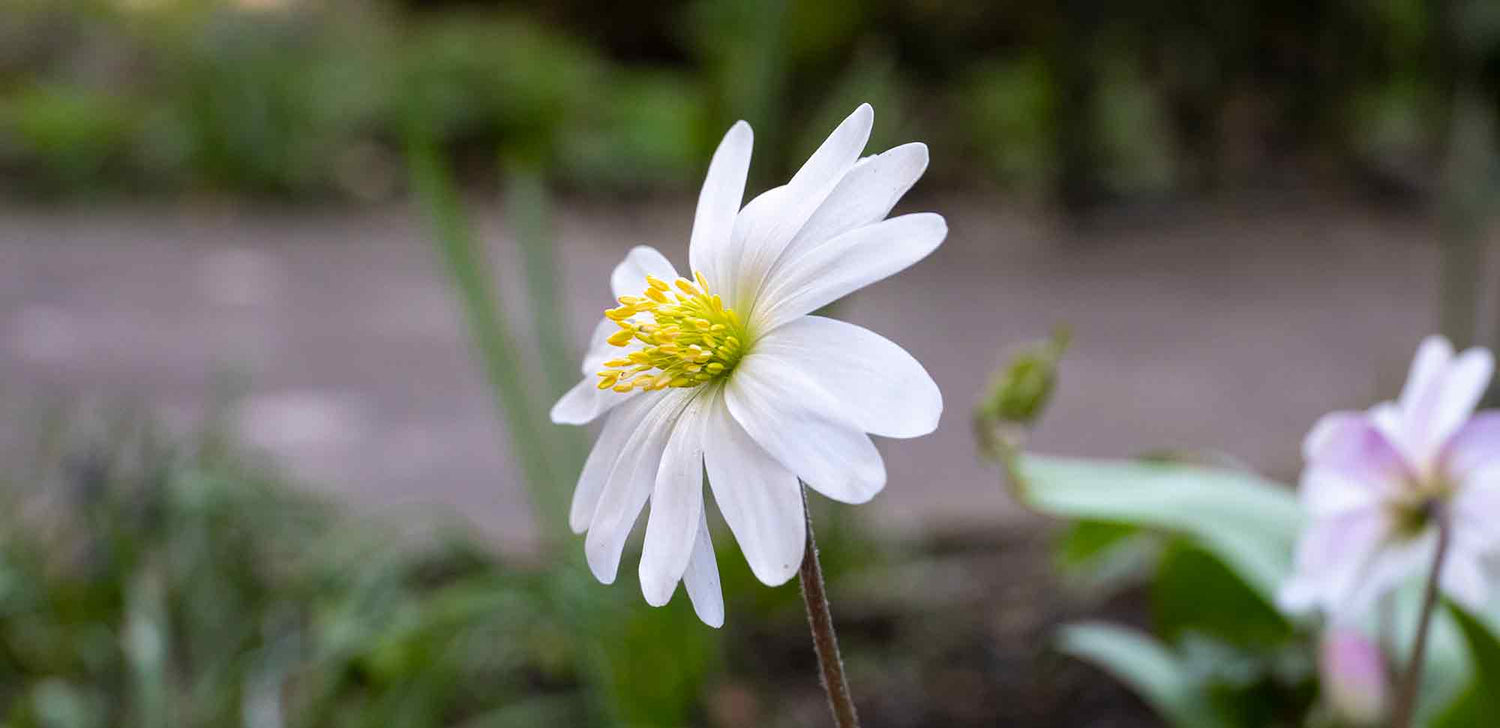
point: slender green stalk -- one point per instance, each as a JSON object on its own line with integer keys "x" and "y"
{"x": 1406, "y": 700}
{"x": 825, "y": 639}
{"x": 468, "y": 269}
{"x": 527, "y": 212}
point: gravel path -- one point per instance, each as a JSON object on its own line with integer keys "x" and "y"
{"x": 1214, "y": 327}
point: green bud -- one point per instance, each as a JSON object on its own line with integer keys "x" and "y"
{"x": 1020, "y": 391}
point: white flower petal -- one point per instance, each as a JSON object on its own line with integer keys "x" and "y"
{"x": 1460, "y": 392}
{"x": 1351, "y": 464}
{"x": 1331, "y": 557}
{"x": 629, "y": 484}
{"x": 585, "y": 402}
{"x": 1476, "y": 504}
{"x": 702, "y": 578}
{"x": 1395, "y": 563}
{"x": 1476, "y": 445}
{"x": 1387, "y": 417}
{"x": 787, "y": 415}
{"x": 827, "y": 272}
{"x": 1427, "y": 367}
{"x": 764, "y": 228}
{"x": 600, "y": 350}
{"x": 629, "y": 277}
{"x": 1325, "y": 493}
{"x": 676, "y": 506}
{"x": 1329, "y": 428}
{"x": 607, "y": 451}
{"x": 864, "y": 196}
{"x": 875, "y": 384}
{"x": 718, "y": 202}
{"x": 761, "y": 500}
{"x": 1465, "y": 577}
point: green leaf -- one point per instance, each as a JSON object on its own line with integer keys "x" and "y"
{"x": 1158, "y": 675}
{"x": 1099, "y": 558}
{"x": 1196, "y": 593}
{"x": 1480, "y": 702}
{"x": 1249, "y": 523}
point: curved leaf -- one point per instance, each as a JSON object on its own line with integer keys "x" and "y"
{"x": 1480, "y": 701}
{"x": 1148, "y": 667}
{"x": 1249, "y": 523}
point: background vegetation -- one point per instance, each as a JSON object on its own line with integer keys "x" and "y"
{"x": 1070, "y": 100}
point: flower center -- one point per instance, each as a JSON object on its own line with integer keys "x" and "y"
{"x": 1423, "y": 503}
{"x": 689, "y": 337}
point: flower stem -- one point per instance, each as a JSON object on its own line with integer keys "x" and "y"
{"x": 1406, "y": 701}
{"x": 825, "y": 640}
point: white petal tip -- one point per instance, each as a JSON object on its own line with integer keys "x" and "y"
{"x": 711, "y": 614}
{"x": 604, "y": 568}
{"x": 579, "y": 525}
{"x": 655, "y": 595}
{"x": 776, "y": 574}
{"x": 561, "y": 416}
{"x": 1437, "y": 343}
{"x": 1480, "y": 357}
{"x": 854, "y": 494}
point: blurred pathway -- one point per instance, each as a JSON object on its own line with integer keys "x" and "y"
{"x": 1228, "y": 328}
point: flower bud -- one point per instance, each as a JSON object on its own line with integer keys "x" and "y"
{"x": 1353, "y": 676}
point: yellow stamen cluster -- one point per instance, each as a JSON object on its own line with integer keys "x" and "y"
{"x": 689, "y": 337}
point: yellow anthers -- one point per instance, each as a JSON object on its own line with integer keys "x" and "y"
{"x": 621, "y": 337}
{"x": 686, "y": 337}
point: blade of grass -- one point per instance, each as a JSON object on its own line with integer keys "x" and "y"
{"x": 469, "y": 274}
{"x": 464, "y": 259}
{"x": 527, "y": 211}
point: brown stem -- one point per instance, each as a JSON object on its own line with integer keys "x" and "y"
{"x": 825, "y": 640}
{"x": 1406, "y": 701}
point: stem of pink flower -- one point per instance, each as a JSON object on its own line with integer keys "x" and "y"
{"x": 1406, "y": 700}
{"x": 825, "y": 640}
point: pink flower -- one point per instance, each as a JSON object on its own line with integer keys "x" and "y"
{"x": 1376, "y": 484}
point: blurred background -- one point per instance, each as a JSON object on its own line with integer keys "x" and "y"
{"x": 287, "y": 286}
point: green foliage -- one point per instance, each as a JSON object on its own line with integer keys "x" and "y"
{"x": 1479, "y": 701}
{"x": 1162, "y": 678}
{"x": 1245, "y": 521}
{"x": 651, "y": 130}
{"x": 302, "y": 99}
{"x": 499, "y": 78}
{"x": 187, "y": 586}
{"x": 1139, "y": 157}
{"x": 1194, "y": 593}
{"x": 464, "y": 260}
{"x": 1212, "y": 546}
{"x": 1010, "y": 105}
{"x": 269, "y": 103}
{"x": 79, "y": 131}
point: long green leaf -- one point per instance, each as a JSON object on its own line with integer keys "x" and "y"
{"x": 1148, "y": 667}
{"x": 1479, "y": 703}
{"x": 528, "y": 215}
{"x": 1249, "y": 523}
{"x": 470, "y": 272}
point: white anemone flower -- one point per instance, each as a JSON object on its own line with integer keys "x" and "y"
{"x": 725, "y": 371}
{"x": 1376, "y": 484}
